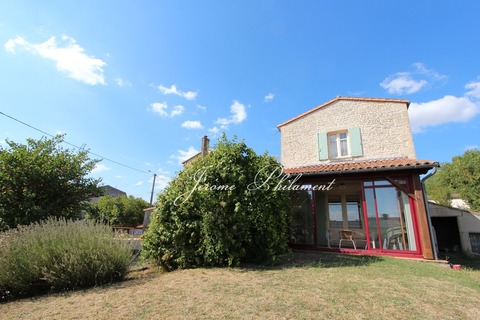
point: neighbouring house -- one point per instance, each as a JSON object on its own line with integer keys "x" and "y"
{"x": 359, "y": 180}
{"x": 109, "y": 191}
{"x": 455, "y": 228}
{"x": 204, "y": 150}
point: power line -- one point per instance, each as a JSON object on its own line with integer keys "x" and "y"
{"x": 70, "y": 144}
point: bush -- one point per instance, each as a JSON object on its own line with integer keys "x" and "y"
{"x": 58, "y": 255}
{"x": 120, "y": 211}
{"x": 199, "y": 223}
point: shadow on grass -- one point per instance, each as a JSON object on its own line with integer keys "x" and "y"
{"x": 467, "y": 262}
{"x": 318, "y": 260}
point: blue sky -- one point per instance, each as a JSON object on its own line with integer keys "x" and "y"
{"x": 140, "y": 82}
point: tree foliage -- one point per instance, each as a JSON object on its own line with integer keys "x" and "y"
{"x": 213, "y": 214}
{"x": 461, "y": 176}
{"x": 438, "y": 188}
{"x": 41, "y": 179}
{"x": 120, "y": 211}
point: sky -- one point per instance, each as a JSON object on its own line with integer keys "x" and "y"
{"x": 139, "y": 83}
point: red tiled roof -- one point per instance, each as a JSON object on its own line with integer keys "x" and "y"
{"x": 344, "y": 98}
{"x": 363, "y": 166}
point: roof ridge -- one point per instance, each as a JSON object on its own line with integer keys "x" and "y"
{"x": 338, "y": 98}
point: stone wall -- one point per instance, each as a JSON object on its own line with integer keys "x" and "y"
{"x": 384, "y": 125}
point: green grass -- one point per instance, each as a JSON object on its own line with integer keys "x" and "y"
{"x": 303, "y": 286}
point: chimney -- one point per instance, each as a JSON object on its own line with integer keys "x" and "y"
{"x": 205, "y": 145}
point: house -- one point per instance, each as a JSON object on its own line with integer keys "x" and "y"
{"x": 456, "y": 229}
{"x": 204, "y": 150}
{"x": 108, "y": 190}
{"x": 361, "y": 190}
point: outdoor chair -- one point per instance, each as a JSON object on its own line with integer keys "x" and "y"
{"x": 347, "y": 235}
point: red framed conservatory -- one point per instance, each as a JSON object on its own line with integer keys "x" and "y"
{"x": 360, "y": 188}
{"x": 371, "y": 207}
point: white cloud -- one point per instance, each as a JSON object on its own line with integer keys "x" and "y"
{"x": 475, "y": 89}
{"x": 100, "y": 168}
{"x": 189, "y": 95}
{"x": 12, "y": 43}
{"x": 410, "y": 82}
{"x": 69, "y": 57}
{"x": 189, "y": 124}
{"x": 122, "y": 83}
{"x": 139, "y": 183}
{"x": 162, "y": 109}
{"x": 184, "y": 154}
{"x": 214, "y": 132}
{"x": 203, "y": 108}
{"x": 177, "y": 110}
{"x": 238, "y": 115}
{"x": 444, "y": 110}
{"x": 402, "y": 83}
{"x": 269, "y": 97}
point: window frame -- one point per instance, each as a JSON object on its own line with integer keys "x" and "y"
{"x": 354, "y": 144}
{"x": 338, "y": 144}
{"x": 344, "y": 200}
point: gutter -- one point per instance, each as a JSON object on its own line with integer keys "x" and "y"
{"x": 429, "y": 218}
{"x": 380, "y": 169}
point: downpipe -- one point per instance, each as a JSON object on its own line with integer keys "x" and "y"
{"x": 427, "y": 208}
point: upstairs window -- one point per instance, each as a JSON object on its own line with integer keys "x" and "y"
{"x": 340, "y": 144}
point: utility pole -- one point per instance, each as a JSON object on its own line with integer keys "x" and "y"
{"x": 153, "y": 189}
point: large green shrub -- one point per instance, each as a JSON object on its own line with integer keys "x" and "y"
{"x": 41, "y": 179}
{"x": 56, "y": 255}
{"x": 120, "y": 211}
{"x": 222, "y": 209}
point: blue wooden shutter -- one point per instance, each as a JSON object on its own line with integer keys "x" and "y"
{"x": 355, "y": 137}
{"x": 322, "y": 146}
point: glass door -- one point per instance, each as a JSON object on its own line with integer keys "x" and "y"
{"x": 389, "y": 217}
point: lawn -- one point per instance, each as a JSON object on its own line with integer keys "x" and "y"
{"x": 303, "y": 286}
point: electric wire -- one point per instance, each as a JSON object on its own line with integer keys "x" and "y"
{"x": 70, "y": 144}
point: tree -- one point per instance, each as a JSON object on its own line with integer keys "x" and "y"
{"x": 438, "y": 188}
{"x": 222, "y": 209}
{"x": 121, "y": 211}
{"x": 463, "y": 176}
{"x": 41, "y": 179}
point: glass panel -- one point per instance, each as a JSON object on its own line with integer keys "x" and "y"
{"x": 332, "y": 148}
{"x": 372, "y": 219}
{"x": 321, "y": 216}
{"x": 301, "y": 229}
{"x": 390, "y": 220}
{"x": 406, "y": 217}
{"x": 382, "y": 183}
{"x": 368, "y": 183}
{"x": 391, "y": 226}
{"x": 343, "y": 145}
{"x": 475, "y": 242}
{"x": 335, "y": 212}
{"x": 354, "y": 213}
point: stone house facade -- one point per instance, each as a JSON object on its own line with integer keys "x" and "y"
{"x": 363, "y": 148}
{"x": 376, "y": 121}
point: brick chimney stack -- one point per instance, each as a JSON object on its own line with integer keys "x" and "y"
{"x": 205, "y": 145}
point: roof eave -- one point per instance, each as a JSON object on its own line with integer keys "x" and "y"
{"x": 369, "y": 170}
